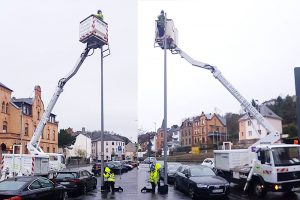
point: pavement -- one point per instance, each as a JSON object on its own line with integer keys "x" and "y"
{"x": 133, "y": 181}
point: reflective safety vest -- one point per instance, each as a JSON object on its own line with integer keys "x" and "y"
{"x": 109, "y": 176}
{"x": 154, "y": 176}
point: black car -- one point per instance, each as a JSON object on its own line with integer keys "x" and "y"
{"x": 76, "y": 181}
{"x": 201, "y": 181}
{"x": 31, "y": 187}
{"x": 172, "y": 168}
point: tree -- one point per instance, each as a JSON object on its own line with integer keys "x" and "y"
{"x": 232, "y": 125}
{"x": 65, "y": 139}
{"x": 80, "y": 153}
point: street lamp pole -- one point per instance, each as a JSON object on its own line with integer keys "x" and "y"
{"x": 165, "y": 103}
{"x": 102, "y": 121}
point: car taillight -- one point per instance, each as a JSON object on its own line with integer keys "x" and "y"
{"x": 75, "y": 180}
{"x": 14, "y": 198}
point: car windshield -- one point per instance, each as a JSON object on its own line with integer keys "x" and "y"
{"x": 66, "y": 175}
{"x": 202, "y": 171}
{"x": 286, "y": 156}
{"x": 11, "y": 185}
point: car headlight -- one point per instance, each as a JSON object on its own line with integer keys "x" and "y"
{"x": 227, "y": 184}
{"x": 199, "y": 185}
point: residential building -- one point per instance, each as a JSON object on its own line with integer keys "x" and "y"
{"x": 186, "y": 131}
{"x": 130, "y": 151}
{"x": 19, "y": 118}
{"x": 174, "y": 137}
{"x": 114, "y": 147}
{"x": 250, "y": 129}
{"x": 159, "y": 140}
{"x": 82, "y": 146}
{"x": 144, "y": 139}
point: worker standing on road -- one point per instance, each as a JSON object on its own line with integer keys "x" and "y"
{"x": 154, "y": 175}
{"x": 99, "y": 15}
{"x": 161, "y": 24}
{"x": 109, "y": 179}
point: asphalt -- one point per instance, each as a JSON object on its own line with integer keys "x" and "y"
{"x": 133, "y": 181}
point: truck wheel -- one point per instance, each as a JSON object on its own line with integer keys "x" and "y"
{"x": 259, "y": 190}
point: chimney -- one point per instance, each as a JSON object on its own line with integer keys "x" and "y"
{"x": 83, "y": 131}
{"x": 37, "y": 91}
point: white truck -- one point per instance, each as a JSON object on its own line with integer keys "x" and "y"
{"x": 94, "y": 33}
{"x": 267, "y": 165}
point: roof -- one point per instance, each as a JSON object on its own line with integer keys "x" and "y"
{"x": 22, "y": 100}
{"x": 265, "y": 111}
{"x": 2, "y": 85}
{"x": 96, "y": 136}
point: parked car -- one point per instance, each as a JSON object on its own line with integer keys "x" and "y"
{"x": 172, "y": 168}
{"x": 209, "y": 162}
{"x": 149, "y": 160}
{"x": 132, "y": 163}
{"x": 201, "y": 181}
{"x": 31, "y": 187}
{"x": 96, "y": 169}
{"x": 76, "y": 181}
{"x": 117, "y": 167}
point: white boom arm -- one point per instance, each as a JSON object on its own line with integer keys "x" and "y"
{"x": 273, "y": 136}
{"x": 33, "y": 146}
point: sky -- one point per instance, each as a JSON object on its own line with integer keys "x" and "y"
{"x": 39, "y": 44}
{"x": 255, "y": 44}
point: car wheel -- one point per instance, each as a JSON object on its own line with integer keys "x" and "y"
{"x": 259, "y": 191}
{"x": 95, "y": 185}
{"x": 84, "y": 190}
{"x": 64, "y": 196}
{"x": 176, "y": 185}
{"x": 191, "y": 192}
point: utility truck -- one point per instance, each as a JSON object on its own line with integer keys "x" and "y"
{"x": 268, "y": 164}
{"x": 94, "y": 33}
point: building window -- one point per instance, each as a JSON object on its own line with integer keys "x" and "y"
{"x": 26, "y": 150}
{"x": 242, "y": 134}
{"x": 48, "y": 150}
{"x": 106, "y": 150}
{"x": 26, "y": 129}
{"x": 259, "y": 131}
{"x": 112, "y": 143}
{"x": 250, "y": 133}
{"x": 249, "y": 123}
{"x": 106, "y": 143}
{"x": 53, "y": 135}
{"x": 113, "y": 150}
{"x": 4, "y": 127}
{"x": 6, "y": 110}
{"x": 53, "y": 150}
{"x": 3, "y": 107}
{"x": 48, "y": 134}
{"x": 38, "y": 117}
{"x": 190, "y": 141}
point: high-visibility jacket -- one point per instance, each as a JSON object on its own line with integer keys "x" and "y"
{"x": 154, "y": 174}
{"x": 108, "y": 175}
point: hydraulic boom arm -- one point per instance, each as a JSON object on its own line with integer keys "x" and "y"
{"x": 273, "y": 136}
{"x": 33, "y": 146}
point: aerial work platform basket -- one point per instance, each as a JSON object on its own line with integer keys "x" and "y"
{"x": 170, "y": 32}
{"x": 93, "y": 30}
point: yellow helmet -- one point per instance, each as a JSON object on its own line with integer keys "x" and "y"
{"x": 107, "y": 170}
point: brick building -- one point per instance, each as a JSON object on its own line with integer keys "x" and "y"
{"x": 186, "y": 131}
{"x": 20, "y": 117}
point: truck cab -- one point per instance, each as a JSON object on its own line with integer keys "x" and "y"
{"x": 279, "y": 166}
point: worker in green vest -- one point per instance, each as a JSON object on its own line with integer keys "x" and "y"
{"x": 99, "y": 15}
{"x": 161, "y": 24}
{"x": 154, "y": 175}
{"x": 109, "y": 179}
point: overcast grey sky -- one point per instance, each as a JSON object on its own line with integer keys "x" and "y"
{"x": 255, "y": 44}
{"x": 39, "y": 45}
